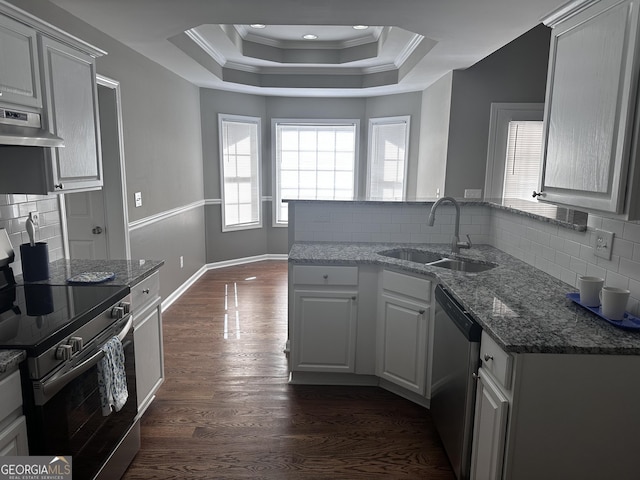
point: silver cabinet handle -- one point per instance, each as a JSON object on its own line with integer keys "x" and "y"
{"x": 487, "y": 357}
{"x": 59, "y": 186}
{"x": 146, "y": 290}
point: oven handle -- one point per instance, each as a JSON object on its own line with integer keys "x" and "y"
{"x": 50, "y": 387}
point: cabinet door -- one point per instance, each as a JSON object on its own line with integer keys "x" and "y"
{"x": 149, "y": 357}
{"x": 72, "y": 107}
{"x": 402, "y": 343}
{"x": 20, "y": 74}
{"x": 13, "y": 439}
{"x": 589, "y": 110}
{"x": 489, "y": 430}
{"x": 324, "y": 336}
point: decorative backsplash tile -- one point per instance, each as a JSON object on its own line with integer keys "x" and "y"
{"x": 14, "y": 211}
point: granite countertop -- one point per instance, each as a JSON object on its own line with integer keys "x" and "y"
{"x": 524, "y": 309}
{"x": 10, "y": 359}
{"x": 127, "y": 272}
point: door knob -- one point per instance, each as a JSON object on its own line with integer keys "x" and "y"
{"x": 96, "y": 230}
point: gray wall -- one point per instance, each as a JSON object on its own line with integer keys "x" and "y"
{"x": 515, "y": 73}
{"x": 434, "y": 136}
{"x": 221, "y": 246}
{"x": 163, "y": 151}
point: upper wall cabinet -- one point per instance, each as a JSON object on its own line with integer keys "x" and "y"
{"x": 71, "y": 100}
{"x": 47, "y": 71}
{"x": 590, "y": 149}
{"x": 20, "y": 74}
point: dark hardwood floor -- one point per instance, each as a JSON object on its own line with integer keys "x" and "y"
{"x": 225, "y": 410}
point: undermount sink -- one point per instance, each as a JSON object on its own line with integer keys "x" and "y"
{"x": 413, "y": 255}
{"x": 434, "y": 259}
{"x": 459, "y": 265}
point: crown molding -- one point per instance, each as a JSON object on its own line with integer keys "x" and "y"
{"x": 202, "y": 42}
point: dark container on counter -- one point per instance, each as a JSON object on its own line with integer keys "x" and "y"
{"x": 35, "y": 261}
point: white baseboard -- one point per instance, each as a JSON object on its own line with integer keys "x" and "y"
{"x": 177, "y": 293}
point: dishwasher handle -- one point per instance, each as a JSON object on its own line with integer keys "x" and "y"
{"x": 456, "y": 312}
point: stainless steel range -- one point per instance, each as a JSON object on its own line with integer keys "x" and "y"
{"x": 63, "y": 329}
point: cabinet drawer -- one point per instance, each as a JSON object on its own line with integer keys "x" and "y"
{"x": 325, "y": 275}
{"x": 419, "y": 288}
{"x": 496, "y": 360}
{"x": 145, "y": 293}
{"x": 10, "y": 394}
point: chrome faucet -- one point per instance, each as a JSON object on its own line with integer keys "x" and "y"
{"x": 456, "y": 244}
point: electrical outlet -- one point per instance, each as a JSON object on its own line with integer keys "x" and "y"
{"x": 472, "y": 193}
{"x": 602, "y": 243}
{"x": 138, "y": 199}
{"x": 181, "y": 261}
{"x": 35, "y": 217}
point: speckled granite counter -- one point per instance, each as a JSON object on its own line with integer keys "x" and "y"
{"x": 128, "y": 272}
{"x": 524, "y": 309}
{"x": 10, "y": 359}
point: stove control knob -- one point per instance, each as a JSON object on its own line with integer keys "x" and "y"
{"x": 117, "y": 312}
{"x": 64, "y": 352}
{"x": 76, "y": 344}
{"x": 126, "y": 306}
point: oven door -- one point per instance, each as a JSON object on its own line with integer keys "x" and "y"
{"x": 66, "y": 416}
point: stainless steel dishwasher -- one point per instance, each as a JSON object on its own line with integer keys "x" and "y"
{"x": 456, "y": 357}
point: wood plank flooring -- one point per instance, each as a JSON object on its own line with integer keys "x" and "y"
{"x": 225, "y": 410}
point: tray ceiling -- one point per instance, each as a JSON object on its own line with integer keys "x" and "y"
{"x": 408, "y": 44}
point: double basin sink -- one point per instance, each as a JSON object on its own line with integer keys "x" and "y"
{"x": 434, "y": 259}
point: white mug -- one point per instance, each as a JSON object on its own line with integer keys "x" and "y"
{"x": 590, "y": 290}
{"x": 614, "y": 302}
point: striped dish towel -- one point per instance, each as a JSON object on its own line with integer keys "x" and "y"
{"x": 112, "y": 377}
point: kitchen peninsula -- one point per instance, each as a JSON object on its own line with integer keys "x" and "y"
{"x": 556, "y": 383}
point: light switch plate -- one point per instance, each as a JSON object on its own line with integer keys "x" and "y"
{"x": 602, "y": 243}
{"x": 138, "y": 198}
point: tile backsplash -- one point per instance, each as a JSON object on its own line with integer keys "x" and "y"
{"x": 567, "y": 254}
{"x": 14, "y": 211}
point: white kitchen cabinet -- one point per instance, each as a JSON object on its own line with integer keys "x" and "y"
{"x": 590, "y": 148}
{"x": 13, "y": 429}
{"x": 20, "y": 72}
{"x": 147, "y": 334}
{"x": 403, "y": 331}
{"x": 70, "y": 93}
{"x": 489, "y": 430}
{"x": 324, "y": 318}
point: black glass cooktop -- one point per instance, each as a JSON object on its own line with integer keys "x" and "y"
{"x": 35, "y": 317}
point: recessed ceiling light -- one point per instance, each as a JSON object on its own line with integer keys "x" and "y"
{"x": 310, "y": 36}
{"x": 360, "y": 27}
{"x": 258, "y": 25}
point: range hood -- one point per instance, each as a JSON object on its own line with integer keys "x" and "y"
{"x": 22, "y": 128}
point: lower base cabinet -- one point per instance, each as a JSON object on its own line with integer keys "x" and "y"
{"x": 402, "y": 343}
{"x": 13, "y": 426}
{"x": 325, "y": 331}
{"x": 489, "y": 430}
{"x": 147, "y": 334}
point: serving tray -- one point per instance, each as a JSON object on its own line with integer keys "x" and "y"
{"x": 629, "y": 322}
{"x": 92, "y": 277}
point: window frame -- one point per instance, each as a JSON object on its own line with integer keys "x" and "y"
{"x": 277, "y": 200}
{"x": 257, "y": 122}
{"x": 400, "y": 119}
{"x": 501, "y": 115}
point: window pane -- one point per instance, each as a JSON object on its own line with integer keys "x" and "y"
{"x": 388, "y": 158}
{"x": 240, "y": 160}
{"x": 309, "y": 171}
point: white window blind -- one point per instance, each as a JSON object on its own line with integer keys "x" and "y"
{"x": 524, "y": 155}
{"x": 388, "y": 140}
{"x": 240, "y": 172}
{"x": 314, "y": 161}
